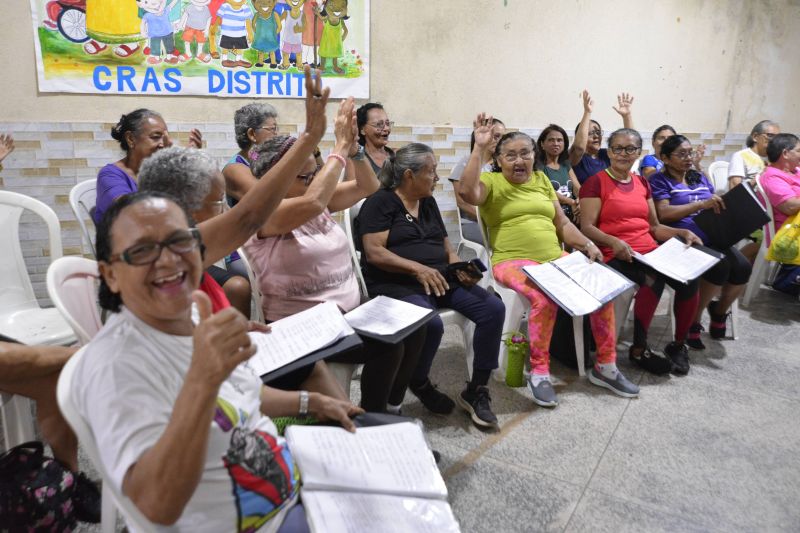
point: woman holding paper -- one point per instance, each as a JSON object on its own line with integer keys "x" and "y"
{"x": 679, "y": 193}
{"x": 301, "y": 256}
{"x": 526, "y": 226}
{"x": 619, "y": 215}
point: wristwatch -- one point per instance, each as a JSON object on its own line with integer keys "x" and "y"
{"x": 302, "y": 412}
{"x": 359, "y": 155}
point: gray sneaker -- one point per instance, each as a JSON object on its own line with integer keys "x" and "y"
{"x": 619, "y": 385}
{"x": 543, "y": 393}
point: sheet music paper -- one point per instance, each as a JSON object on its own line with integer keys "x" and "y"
{"x": 296, "y": 336}
{"x": 390, "y": 459}
{"x": 676, "y": 260}
{"x": 351, "y": 512}
{"x": 385, "y": 316}
{"x": 603, "y": 283}
{"x": 567, "y": 293}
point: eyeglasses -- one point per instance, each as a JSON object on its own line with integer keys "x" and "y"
{"x": 147, "y": 253}
{"x": 526, "y": 155}
{"x": 595, "y": 133}
{"x": 382, "y": 125}
{"x": 684, "y": 155}
{"x": 629, "y": 150}
{"x": 271, "y": 129}
{"x": 218, "y": 206}
{"x": 769, "y": 136}
{"x": 308, "y": 178}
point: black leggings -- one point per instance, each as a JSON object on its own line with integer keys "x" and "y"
{"x": 734, "y": 269}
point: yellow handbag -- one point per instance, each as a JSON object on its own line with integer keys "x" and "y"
{"x": 785, "y": 246}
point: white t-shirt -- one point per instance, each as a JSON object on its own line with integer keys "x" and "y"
{"x": 746, "y": 164}
{"x": 126, "y": 385}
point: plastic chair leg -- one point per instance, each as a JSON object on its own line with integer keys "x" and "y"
{"x": 577, "y": 332}
{"x": 18, "y": 424}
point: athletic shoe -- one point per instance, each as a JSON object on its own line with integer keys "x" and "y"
{"x": 433, "y": 400}
{"x": 477, "y": 404}
{"x": 649, "y": 360}
{"x": 718, "y": 322}
{"x": 693, "y": 339}
{"x": 86, "y": 499}
{"x": 679, "y": 356}
{"x": 618, "y": 385}
{"x": 543, "y": 393}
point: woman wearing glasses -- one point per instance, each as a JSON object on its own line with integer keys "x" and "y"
{"x": 526, "y": 226}
{"x": 585, "y": 154}
{"x": 374, "y": 128}
{"x": 301, "y": 256}
{"x": 253, "y": 124}
{"x": 617, "y": 212}
{"x": 679, "y": 193}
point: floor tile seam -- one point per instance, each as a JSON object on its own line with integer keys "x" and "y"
{"x": 528, "y": 469}
{"x": 730, "y": 388}
{"x": 599, "y": 460}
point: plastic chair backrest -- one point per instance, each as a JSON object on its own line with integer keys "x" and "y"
{"x": 72, "y": 286}
{"x": 66, "y": 402}
{"x": 350, "y": 215}
{"x": 770, "y": 226}
{"x": 16, "y": 291}
{"x": 718, "y": 172}
{"x": 255, "y": 289}
{"x": 82, "y": 200}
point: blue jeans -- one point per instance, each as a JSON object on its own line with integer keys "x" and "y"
{"x": 484, "y": 309}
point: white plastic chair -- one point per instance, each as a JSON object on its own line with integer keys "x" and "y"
{"x": 257, "y": 314}
{"x": 21, "y": 318}
{"x": 72, "y": 286}
{"x": 718, "y": 172}
{"x": 18, "y": 424}
{"x": 449, "y": 317}
{"x": 82, "y": 199}
{"x": 112, "y": 499}
{"x": 761, "y": 267}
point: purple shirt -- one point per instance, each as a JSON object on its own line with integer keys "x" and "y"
{"x": 112, "y": 182}
{"x": 588, "y": 166}
{"x": 665, "y": 188}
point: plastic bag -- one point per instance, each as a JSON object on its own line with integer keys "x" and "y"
{"x": 785, "y": 246}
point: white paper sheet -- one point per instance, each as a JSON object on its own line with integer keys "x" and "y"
{"x": 385, "y": 316}
{"x": 296, "y": 336}
{"x": 390, "y": 459}
{"x": 569, "y": 295}
{"x": 603, "y": 283}
{"x": 676, "y": 260}
{"x": 351, "y": 512}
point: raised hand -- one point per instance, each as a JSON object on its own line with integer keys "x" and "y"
{"x": 482, "y": 126}
{"x": 221, "y": 342}
{"x": 587, "y": 102}
{"x": 6, "y": 146}
{"x": 316, "y": 100}
{"x": 624, "y": 102}
{"x": 344, "y": 127}
{"x": 697, "y": 156}
{"x": 195, "y": 139}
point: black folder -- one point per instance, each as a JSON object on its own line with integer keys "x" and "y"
{"x": 743, "y": 214}
{"x": 345, "y": 344}
{"x": 394, "y": 338}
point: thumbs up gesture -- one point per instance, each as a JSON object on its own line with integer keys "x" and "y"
{"x": 221, "y": 342}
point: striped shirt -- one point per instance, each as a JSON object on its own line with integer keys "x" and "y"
{"x": 233, "y": 20}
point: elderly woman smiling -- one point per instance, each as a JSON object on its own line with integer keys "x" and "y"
{"x": 526, "y": 226}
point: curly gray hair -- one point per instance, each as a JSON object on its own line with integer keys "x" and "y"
{"x": 250, "y": 116}
{"x": 184, "y": 173}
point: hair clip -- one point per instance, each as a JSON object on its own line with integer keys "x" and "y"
{"x": 252, "y": 155}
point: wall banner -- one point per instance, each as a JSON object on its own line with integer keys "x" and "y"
{"x": 244, "y": 48}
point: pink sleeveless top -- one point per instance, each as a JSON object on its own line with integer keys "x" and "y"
{"x": 307, "y": 266}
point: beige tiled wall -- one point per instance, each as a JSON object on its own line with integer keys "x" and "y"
{"x": 51, "y": 157}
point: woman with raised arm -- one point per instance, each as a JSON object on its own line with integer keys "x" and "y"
{"x": 140, "y": 134}
{"x": 526, "y": 226}
{"x": 585, "y": 154}
{"x": 301, "y": 256}
{"x": 406, "y": 256}
{"x": 552, "y": 158}
{"x": 618, "y": 213}
{"x": 679, "y": 193}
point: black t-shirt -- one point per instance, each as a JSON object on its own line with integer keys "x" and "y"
{"x": 417, "y": 239}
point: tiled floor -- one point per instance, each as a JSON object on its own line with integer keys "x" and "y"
{"x": 716, "y": 450}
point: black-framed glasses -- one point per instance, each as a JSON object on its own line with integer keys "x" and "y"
{"x": 629, "y": 150}
{"x": 769, "y": 136}
{"x": 684, "y": 155}
{"x": 309, "y": 177}
{"x": 595, "y": 133}
{"x": 382, "y": 125}
{"x": 146, "y": 253}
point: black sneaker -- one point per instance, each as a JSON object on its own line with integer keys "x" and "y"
{"x": 477, "y": 404}
{"x": 650, "y": 361}
{"x": 86, "y": 499}
{"x": 433, "y": 400}
{"x": 679, "y": 356}
{"x": 693, "y": 339}
{"x": 717, "y": 327}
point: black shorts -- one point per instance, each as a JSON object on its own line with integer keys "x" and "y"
{"x": 233, "y": 43}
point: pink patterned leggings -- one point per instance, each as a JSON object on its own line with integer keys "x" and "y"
{"x": 542, "y": 317}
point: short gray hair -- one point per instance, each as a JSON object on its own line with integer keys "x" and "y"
{"x": 758, "y": 129}
{"x": 250, "y": 116}
{"x": 625, "y": 131}
{"x": 184, "y": 173}
{"x": 409, "y": 157}
{"x": 266, "y": 155}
